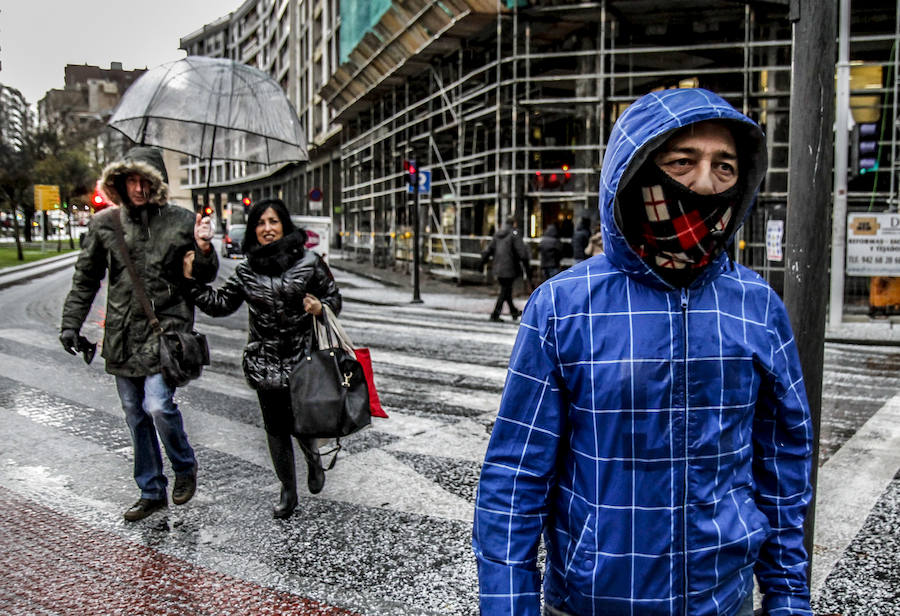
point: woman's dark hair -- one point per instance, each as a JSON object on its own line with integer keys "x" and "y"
{"x": 256, "y": 213}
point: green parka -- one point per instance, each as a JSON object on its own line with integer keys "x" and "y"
{"x": 157, "y": 235}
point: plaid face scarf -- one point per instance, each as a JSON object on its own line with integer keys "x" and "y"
{"x": 672, "y": 228}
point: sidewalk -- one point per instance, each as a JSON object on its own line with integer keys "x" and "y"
{"x": 389, "y": 286}
{"x": 29, "y": 271}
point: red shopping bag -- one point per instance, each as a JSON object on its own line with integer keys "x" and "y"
{"x": 365, "y": 360}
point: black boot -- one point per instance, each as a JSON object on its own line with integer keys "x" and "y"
{"x": 287, "y": 504}
{"x": 315, "y": 474}
{"x": 281, "y": 451}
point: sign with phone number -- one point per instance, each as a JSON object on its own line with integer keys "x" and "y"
{"x": 873, "y": 244}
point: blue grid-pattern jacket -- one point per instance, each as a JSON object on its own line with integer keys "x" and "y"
{"x": 659, "y": 438}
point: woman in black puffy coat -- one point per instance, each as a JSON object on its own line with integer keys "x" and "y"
{"x": 284, "y": 285}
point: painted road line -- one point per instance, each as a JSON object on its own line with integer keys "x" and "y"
{"x": 490, "y": 373}
{"x": 849, "y": 485}
{"x": 395, "y": 480}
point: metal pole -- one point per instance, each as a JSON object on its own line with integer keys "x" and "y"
{"x": 841, "y": 138}
{"x": 417, "y": 299}
{"x": 811, "y": 158}
{"x": 895, "y": 205}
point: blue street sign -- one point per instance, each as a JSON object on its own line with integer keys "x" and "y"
{"x": 424, "y": 183}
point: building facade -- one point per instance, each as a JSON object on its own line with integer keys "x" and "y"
{"x": 295, "y": 42}
{"x": 15, "y": 117}
{"x": 509, "y": 104}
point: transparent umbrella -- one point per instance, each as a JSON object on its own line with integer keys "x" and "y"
{"x": 212, "y": 108}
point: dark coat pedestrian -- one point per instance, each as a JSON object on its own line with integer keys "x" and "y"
{"x": 158, "y": 235}
{"x": 284, "y": 285}
{"x": 509, "y": 260}
{"x": 550, "y": 250}
{"x": 581, "y": 240}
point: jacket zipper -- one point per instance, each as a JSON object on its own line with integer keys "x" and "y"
{"x": 684, "y": 323}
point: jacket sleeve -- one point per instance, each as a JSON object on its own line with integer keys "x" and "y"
{"x": 488, "y": 252}
{"x": 206, "y": 265}
{"x": 782, "y": 453}
{"x": 325, "y": 288}
{"x": 519, "y": 469}
{"x": 89, "y": 272}
{"x": 218, "y": 302}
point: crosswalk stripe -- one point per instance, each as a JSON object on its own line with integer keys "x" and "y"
{"x": 399, "y": 487}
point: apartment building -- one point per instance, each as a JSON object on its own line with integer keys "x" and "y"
{"x": 295, "y": 42}
{"x": 81, "y": 109}
{"x": 15, "y": 117}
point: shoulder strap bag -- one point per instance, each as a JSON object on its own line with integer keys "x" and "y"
{"x": 182, "y": 355}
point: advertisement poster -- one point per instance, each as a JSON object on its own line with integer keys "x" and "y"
{"x": 873, "y": 244}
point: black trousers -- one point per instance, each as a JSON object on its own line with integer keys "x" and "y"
{"x": 506, "y": 296}
{"x": 278, "y": 419}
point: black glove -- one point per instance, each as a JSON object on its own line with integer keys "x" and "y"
{"x": 69, "y": 340}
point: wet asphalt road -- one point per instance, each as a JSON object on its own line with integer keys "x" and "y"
{"x": 390, "y": 533}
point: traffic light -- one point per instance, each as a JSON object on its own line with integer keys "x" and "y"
{"x": 864, "y": 148}
{"x": 246, "y": 202}
{"x": 207, "y": 210}
{"x": 97, "y": 199}
{"x": 410, "y": 167}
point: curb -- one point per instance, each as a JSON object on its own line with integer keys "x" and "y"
{"x": 8, "y": 278}
{"x": 865, "y": 341}
{"x": 368, "y": 275}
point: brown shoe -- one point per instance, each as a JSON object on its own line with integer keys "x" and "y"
{"x": 185, "y": 486}
{"x": 144, "y": 507}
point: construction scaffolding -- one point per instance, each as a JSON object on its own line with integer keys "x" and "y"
{"x": 512, "y": 119}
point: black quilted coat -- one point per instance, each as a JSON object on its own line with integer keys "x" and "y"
{"x": 273, "y": 280}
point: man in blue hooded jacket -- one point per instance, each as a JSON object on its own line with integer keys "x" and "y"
{"x": 654, "y": 425}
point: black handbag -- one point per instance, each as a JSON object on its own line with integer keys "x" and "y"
{"x": 182, "y": 355}
{"x": 329, "y": 394}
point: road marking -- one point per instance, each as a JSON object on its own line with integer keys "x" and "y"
{"x": 390, "y": 484}
{"x": 493, "y": 374}
{"x": 464, "y": 440}
{"x": 850, "y": 484}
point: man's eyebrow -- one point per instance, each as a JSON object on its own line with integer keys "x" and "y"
{"x": 723, "y": 153}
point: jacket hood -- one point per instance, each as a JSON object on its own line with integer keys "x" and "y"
{"x": 147, "y": 161}
{"x": 551, "y": 231}
{"x": 504, "y": 231}
{"x": 640, "y": 130}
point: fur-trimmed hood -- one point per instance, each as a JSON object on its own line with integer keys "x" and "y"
{"x": 148, "y": 162}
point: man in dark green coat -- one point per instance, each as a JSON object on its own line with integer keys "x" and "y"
{"x": 158, "y": 235}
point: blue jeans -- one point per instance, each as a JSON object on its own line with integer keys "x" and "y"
{"x": 745, "y": 610}
{"x": 149, "y": 408}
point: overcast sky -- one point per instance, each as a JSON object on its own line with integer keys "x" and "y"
{"x": 39, "y": 37}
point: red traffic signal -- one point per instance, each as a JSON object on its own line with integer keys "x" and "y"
{"x": 246, "y": 202}
{"x": 207, "y": 211}
{"x": 98, "y": 201}
{"x": 410, "y": 167}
